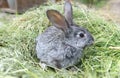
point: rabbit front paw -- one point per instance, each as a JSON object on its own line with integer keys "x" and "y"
{"x": 43, "y": 66}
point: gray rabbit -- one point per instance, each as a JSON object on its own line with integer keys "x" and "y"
{"x": 61, "y": 45}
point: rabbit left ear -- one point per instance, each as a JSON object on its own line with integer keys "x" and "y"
{"x": 57, "y": 19}
{"x": 68, "y": 12}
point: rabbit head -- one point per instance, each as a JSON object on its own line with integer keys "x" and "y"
{"x": 75, "y": 35}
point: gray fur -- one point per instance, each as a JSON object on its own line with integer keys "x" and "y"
{"x": 61, "y": 47}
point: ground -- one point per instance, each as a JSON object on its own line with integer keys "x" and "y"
{"x": 111, "y": 11}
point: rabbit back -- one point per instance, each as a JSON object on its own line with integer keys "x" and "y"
{"x": 47, "y": 40}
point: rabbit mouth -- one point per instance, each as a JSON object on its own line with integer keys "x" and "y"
{"x": 91, "y": 42}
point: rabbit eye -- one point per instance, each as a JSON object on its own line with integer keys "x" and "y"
{"x": 81, "y": 35}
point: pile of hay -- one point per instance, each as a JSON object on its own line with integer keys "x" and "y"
{"x": 17, "y": 46}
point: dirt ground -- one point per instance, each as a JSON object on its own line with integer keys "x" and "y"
{"x": 111, "y": 11}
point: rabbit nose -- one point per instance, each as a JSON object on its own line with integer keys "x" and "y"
{"x": 91, "y": 40}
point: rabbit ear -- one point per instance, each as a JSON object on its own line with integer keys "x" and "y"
{"x": 68, "y": 12}
{"x": 57, "y": 19}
